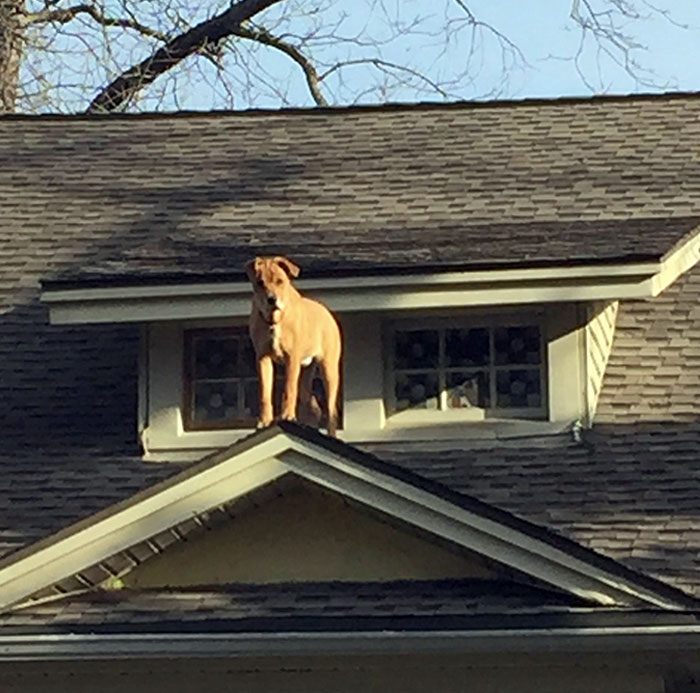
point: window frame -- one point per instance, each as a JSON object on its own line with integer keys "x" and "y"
{"x": 445, "y": 414}
{"x": 189, "y": 335}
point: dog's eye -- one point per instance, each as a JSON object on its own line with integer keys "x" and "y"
{"x": 278, "y": 281}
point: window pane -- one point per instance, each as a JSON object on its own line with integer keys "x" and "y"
{"x": 416, "y": 391}
{"x": 250, "y": 398}
{"x": 416, "y": 349}
{"x": 467, "y": 347}
{"x": 518, "y": 388}
{"x": 246, "y": 364}
{"x": 517, "y": 345}
{"x": 215, "y": 358}
{"x": 468, "y": 390}
{"x": 215, "y": 401}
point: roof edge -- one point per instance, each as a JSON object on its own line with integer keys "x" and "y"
{"x": 290, "y": 448}
{"x": 81, "y": 646}
{"x": 359, "y": 108}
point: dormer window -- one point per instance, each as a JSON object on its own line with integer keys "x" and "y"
{"x": 220, "y": 389}
{"x": 427, "y": 356}
{"x": 221, "y": 385}
{"x": 469, "y": 368}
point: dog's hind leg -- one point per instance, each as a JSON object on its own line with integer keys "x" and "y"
{"x": 309, "y": 411}
{"x": 330, "y": 369}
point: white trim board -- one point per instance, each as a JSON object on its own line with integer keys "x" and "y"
{"x": 338, "y": 467}
{"x": 604, "y": 282}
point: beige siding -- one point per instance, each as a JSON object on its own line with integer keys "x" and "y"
{"x": 304, "y": 535}
{"x": 600, "y": 332}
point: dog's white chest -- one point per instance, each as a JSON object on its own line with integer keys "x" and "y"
{"x": 275, "y": 346}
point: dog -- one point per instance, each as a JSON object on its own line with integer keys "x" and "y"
{"x": 289, "y": 328}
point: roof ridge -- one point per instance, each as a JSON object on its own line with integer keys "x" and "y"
{"x": 359, "y": 108}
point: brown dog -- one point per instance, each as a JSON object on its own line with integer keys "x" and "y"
{"x": 288, "y": 328}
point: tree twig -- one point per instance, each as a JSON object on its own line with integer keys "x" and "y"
{"x": 263, "y": 36}
{"x": 206, "y": 33}
{"x": 63, "y": 16}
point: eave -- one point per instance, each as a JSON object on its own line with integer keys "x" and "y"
{"x": 652, "y": 639}
{"x": 393, "y": 292}
{"x": 338, "y": 467}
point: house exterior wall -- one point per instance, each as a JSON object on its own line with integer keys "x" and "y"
{"x": 304, "y": 535}
{"x": 599, "y": 335}
{"x": 365, "y": 417}
{"x": 516, "y": 674}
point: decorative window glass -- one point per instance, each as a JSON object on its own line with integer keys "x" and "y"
{"x": 495, "y": 368}
{"x": 221, "y": 381}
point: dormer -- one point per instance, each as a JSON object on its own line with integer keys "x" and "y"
{"x": 501, "y": 330}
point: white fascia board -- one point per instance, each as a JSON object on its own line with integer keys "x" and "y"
{"x": 653, "y": 639}
{"x": 91, "y": 543}
{"x": 675, "y": 264}
{"x": 112, "y": 532}
{"x": 350, "y": 294}
{"x": 463, "y": 527}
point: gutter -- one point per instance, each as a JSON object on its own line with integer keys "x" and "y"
{"x": 108, "y": 646}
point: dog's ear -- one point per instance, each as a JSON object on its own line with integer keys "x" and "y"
{"x": 288, "y": 266}
{"x": 251, "y": 267}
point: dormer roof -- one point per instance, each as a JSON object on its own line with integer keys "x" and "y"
{"x": 600, "y": 190}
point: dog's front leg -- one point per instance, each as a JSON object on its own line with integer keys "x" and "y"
{"x": 266, "y": 380}
{"x": 291, "y": 388}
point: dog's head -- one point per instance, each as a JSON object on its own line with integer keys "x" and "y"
{"x": 272, "y": 286}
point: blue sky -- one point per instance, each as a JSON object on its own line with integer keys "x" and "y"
{"x": 541, "y": 32}
{"x": 542, "y": 29}
{"x": 465, "y": 65}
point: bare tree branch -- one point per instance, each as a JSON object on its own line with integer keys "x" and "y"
{"x": 63, "y": 16}
{"x": 211, "y": 31}
{"x": 266, "y": 38}
{"x": 385, "y": 66}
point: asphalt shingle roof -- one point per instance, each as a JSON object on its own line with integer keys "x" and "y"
{"x": 380, "y": 251}
{"x": 294, "y": 606}
{"x": 77, "y": 194}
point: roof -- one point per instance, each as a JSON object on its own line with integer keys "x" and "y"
{"x": 287, "y": 448}
{"x": 398, "y": 183}
{"x": 331, "y": 252}
{"x": 68, "y": 394}
{"x": 337, "y": 606}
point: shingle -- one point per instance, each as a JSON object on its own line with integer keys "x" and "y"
{"x": 196, "y": 191}
{"x": 634, "y": 487}
{"x": 249, "y": 605}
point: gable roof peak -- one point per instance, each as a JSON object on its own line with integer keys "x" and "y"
{"x": 338, "y": 467}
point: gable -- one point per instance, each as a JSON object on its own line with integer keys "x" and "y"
{"x": 286, "y": 448}
{"x": 300, "y": 533}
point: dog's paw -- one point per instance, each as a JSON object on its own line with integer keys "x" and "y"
{"x": 288, "y": 417}
{"x": 263, "y": 424}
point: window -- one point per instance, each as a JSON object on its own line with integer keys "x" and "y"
{"x": 221, "y": 382}
{"x": 491, "y": 369}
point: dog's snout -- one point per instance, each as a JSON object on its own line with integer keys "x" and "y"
{"x": 272, "y": 301}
